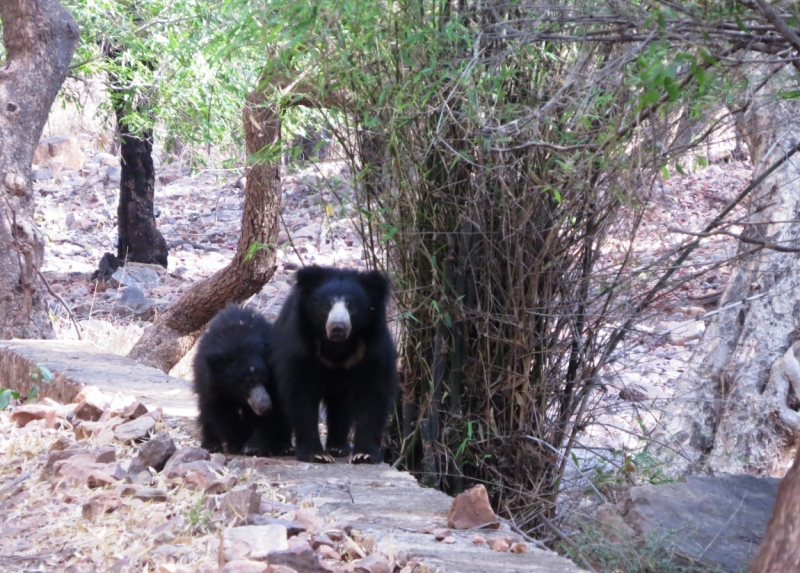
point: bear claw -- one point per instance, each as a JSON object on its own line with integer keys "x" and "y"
{"x": 361, "y": 459}
{"x": 323, "y": 458}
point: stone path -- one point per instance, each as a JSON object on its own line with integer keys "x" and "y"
{"x": 377, "y": 501}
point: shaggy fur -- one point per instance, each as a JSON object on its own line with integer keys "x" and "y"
{"x": 236, "y": 393}
{"x": 332, "y": 347}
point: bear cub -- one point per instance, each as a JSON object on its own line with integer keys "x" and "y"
{"x": 332, "y": 346}
{"x": 240, "y": 411}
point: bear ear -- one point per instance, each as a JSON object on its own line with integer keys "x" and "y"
{"x": 309, "y": 278}
{"x": 377, "y": 286}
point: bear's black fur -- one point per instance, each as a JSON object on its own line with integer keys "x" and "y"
{"x": 240, "y": 411}
{"x": 341, "y": 355}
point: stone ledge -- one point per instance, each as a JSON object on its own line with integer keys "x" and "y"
{"x": 78, "y": 364}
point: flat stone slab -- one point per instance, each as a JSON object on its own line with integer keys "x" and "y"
{"x": 717, "y": 521}
{"x": 76, "y": 364}
{"x": 377, "y": 500}
{"x": 391, "y": 505}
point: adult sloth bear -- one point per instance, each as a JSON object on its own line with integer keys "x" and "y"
{"x": 237, "y": 397}
{"x": 331, "y": 345}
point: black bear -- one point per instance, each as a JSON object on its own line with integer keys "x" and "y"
{"x": 240, "y": 411}
{"x": 332, "y": 346}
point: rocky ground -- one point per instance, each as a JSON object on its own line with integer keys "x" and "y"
{"x": 104, "y": 484}
{"x": 199, "y": 215}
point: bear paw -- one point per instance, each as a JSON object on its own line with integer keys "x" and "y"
{"x": 362, "y": 459}
{"x": 252, "y": 451}
{"x": 323, "y": 458}
{"x": 339, "y": 452}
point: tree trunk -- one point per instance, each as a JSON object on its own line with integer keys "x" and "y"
{"x": 140, "y": 241}
{"x": 175, "y": 331}
{"x": 779, "y": 551}
{"x": 40, "y": 37}
{"x": 731, "y": 412}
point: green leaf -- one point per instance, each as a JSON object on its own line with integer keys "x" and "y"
{"x": 47, "y": 375}
{"x": 5, "y": 397}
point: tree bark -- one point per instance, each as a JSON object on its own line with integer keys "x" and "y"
{"x": 174, "y": 332}
{"x": 140, "y": 241}
{"x": 779, "y": 551}
{"x": 40, "y": 37}
{"x": 730, "y": 409}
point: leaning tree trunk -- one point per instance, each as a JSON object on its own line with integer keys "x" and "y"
{"x": 40, "y": 37}
{"x": 779, "y": 551}
{"x": 174, "y": 332}
{"x": 731, "y": 412}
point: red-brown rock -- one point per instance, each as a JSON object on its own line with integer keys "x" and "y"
{"x": 134, "y": 410}
{"x": 87, "y": 412}
{"x": 241, "y": 502}
{"x": 472, "y": 509}
{"x": 27, "y": 413}
{"x": 104, "y": 502}
{"x": 301, "y": 558}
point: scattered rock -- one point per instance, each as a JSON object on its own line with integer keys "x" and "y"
{"x": 154, "y": 453}
{"x": 168, "y": 531}
{"x": 319, "y": 540}
{"x": 328, "y": 552}
{"x": 105, "y": 159}
{"x": 104, "y": 502}
{"x": 150, "y": 494}
{"x": 245, "y": 566}
{"x": 135, "y": 430}
{"x": 254, "y": 542}
{"x": 216, "y": 486}
{"x": 500, "y": 545}
{"x": 373, "y": 564}
{"x": 301, "y": 558}
{"x": 64, "y": 150}
{"x": 308, "y": 516}
{"x": 135, "y": 275}
{"x": 442, "y": 533}
{"x": 199, "y": 479}
{"x": 114, "y": 174}
{"x": 186, "y": 455}
{"x": 167, "y": 178}
{"x": 472, "y": 509}
{"x": 27, "y": 413}
{"x": 134, "y": 410}
{"x": 99, "y": 478}
{"x": 62, "y": 443}
{"x": 184, "y": 470}
{"x": 612, "y": 525}
{"x": 292, "y": 527}
{"x": 88, "y": 412}
{"x": 242, "y": 503}
{"x": 77, "y": 469}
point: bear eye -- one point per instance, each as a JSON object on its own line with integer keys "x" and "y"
{"x": 329, "y": 305}
{"x": 347, "y": 304}
{"x": 252, "y": 369}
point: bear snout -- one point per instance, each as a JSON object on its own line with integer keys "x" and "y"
{"x": 259, "y": 400}
{"x": 338, "y": 325}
